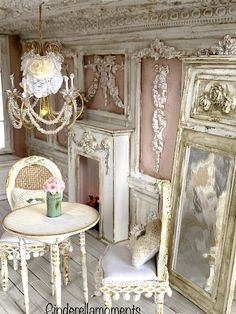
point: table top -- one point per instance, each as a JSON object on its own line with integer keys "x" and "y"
{"x": 32, "y": 222}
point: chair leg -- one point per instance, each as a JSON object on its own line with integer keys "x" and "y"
{"x": 65, "y": 267}
{"x": 159, "y": 300}
{"x": 15, "y": 264}
{"x": 24, "y": 275}
{"x": 107, "y": 300}
{"x": 52, "y": 275}
{"x": 4, "y": 273}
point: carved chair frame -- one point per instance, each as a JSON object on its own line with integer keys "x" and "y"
{"x": 159, "y": 286}
{"x": 11, "y": 250}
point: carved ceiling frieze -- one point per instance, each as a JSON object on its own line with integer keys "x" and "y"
{"x": 63, "y": 17}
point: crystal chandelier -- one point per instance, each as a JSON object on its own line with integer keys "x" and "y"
{"x": 41, "y": 78}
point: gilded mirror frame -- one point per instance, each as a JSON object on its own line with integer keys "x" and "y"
{"x": 207, "y": 129}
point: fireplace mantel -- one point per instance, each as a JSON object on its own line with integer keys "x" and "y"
{"x": 110, "y": 146}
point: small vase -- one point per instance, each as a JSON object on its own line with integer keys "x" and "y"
{"x": 54, "y": 204}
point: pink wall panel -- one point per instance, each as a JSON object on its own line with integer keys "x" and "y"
{"x": 15, "y": 55}
{"x": 67, "y": 69}
{"x": 97, "y": 102}
{"x": 172, "y": 109}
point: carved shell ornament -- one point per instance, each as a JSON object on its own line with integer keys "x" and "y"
{"x": 104, "y": 69}
{"x": 158, "y": 50}
{"x": 227, "y": 46}
{"x": 217, "y": 98}
{"x": 88, "y": 143}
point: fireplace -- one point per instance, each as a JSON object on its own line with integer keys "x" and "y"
{"x": 87, "y": 171}
{"x": 99, "y": 165}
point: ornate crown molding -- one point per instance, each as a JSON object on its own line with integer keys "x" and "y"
{"x": 158, "y": 50}
{"x": 89, "y": 145}
{"x": 159, "y": 93}
{"x": 80, "y": 20}
{"x": 104, "y": 69}
{"x": 227, "y": 46}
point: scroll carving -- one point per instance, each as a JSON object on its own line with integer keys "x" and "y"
{"x": 104, "y": 69}
{"x": 158, "y": 119}
{"x": 158, "y": 50}
{"x": 227, "y": 46}
{"x": 89, "y": 145}
{"x": 217, "y": 98}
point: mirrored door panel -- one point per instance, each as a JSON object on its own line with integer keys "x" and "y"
{"x": 206, "y": 178}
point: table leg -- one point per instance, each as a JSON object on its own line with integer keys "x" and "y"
{"x": 24, "y": 275}
{"x": 84, "y": 266}
{"x": 56, "y": 273}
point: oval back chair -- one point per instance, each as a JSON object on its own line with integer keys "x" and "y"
{"x": 24, "y": 187}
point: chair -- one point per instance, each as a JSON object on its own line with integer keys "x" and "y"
{"x": 24, "y": 187}
{"x": 115, "y": 274}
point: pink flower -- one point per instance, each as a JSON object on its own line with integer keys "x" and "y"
{"x": 54, "y": 185}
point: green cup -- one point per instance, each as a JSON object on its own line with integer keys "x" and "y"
{"x": 54, "y": 204}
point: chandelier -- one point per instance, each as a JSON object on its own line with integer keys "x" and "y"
{"x": 41, "y": 79}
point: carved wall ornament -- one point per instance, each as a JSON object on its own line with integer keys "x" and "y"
{"x": 217, "y": 98}
{"x": 158, "y": 50}
{"x": 104, "y": 69}
{"x": 227, "y": 46}
{"x": 68, "y": 52}
{"x": 159, "y": 93}
{"x": 89, "y": 145}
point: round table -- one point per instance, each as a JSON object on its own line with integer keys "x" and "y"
{"x": 32, "y": 222}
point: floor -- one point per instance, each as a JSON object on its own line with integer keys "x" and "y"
{"x": 39, "y": 285}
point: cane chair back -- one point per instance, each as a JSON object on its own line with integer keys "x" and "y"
{"x": 30, "y": 173}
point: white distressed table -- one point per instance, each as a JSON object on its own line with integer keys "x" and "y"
{"x": 32, "y": 222}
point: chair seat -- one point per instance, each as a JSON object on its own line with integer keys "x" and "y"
{"x": 8, "y": 237}
{"x": 116, "y": 265}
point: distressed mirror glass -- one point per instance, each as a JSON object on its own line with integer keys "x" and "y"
{"x": 206, "y": 179}
{"x": 203, "y": 244}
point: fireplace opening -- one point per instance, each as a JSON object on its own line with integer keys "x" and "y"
{"x": 88, "y": 185}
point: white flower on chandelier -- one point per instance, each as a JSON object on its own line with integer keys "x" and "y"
{"x": 41, "y": 74}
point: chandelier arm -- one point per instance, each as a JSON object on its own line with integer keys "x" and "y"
{"x": 47, "y": 122}
{"x": 23, "y": 113}
{"x": 82, "y": 106}
{"x": 14, "y": 112}
{"x": 48, "y": 132}
{"x": 74, "y": 108}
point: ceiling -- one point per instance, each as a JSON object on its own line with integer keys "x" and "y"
{"x": 62, "y": 17}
